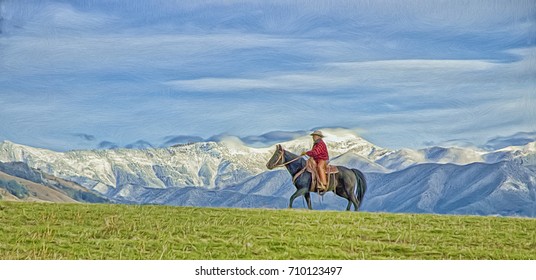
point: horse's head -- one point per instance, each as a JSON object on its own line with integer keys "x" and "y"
{"x": 277, "y": 158}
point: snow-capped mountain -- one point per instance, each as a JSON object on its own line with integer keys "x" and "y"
{"x": 205, "y": 164}
{"x": 202, "y": 164}
{"x": 503, "y": 188}
{"x": 229, "y": 173}
{"x": 20, "y": 182}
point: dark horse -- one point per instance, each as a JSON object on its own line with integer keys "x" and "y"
{"x": 351, "y": 183}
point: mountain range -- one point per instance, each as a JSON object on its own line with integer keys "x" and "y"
{"x": 19, "y": 182}
{"x": 230, "y": 173}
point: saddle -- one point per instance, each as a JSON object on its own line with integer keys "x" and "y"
{"x": 310, "y": 167}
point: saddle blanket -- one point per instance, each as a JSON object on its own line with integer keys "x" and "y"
{"x": 331, "y": 169}
{"x": 311, "y": 167}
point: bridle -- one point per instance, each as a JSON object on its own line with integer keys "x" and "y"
{"x": 282, "y": 159}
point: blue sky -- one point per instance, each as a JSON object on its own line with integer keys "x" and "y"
{"x": 87, "y": 74}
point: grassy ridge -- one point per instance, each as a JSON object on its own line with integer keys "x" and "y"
{"x": 84, "y": 231}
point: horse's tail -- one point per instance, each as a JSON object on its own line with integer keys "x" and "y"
{"x": 361, "y": 185}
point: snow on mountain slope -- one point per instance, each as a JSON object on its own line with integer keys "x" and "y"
{"x": 405, "y": 158}
{"x": 339, "y": 141}
{"x": 401, "y": 159}
{"x": 452, "y": 155}
{"x": 352, "y": 160}
{"x": 201, "y": 164}
{"x": 504, "y": 188}
{"x": 525, "y": 154}
{"x": 34, "y": 185}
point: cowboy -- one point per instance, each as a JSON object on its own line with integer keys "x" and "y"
{"x": 319, "y": 153}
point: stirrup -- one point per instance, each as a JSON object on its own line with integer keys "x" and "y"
{"x": 320, "y": 188}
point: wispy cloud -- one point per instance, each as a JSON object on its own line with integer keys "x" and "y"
{"x": 332, "y": 76}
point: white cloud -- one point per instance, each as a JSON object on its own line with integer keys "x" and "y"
{"x": 27, "y": 55}
{"x": 60, "y": 15}
{"x": 44, "y": 19}
{"x": 287, "y": 82}
{"x": 221, "y": 84}
{"x": 416, "y": 64}
{"x": 387, "y": 74}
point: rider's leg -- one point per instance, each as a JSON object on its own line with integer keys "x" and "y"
{"x": 321, "y": 168}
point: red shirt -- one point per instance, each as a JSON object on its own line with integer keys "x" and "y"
{"x": 319, "y": 151}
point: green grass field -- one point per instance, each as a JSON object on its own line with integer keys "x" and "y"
{"x": 101, "y": 231}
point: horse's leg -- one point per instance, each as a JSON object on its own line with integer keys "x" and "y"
{"x": 342, "y": 192}
{"x": 357, "y": 202}
{"x": 308, "y": 199}
{"x": 349, "y": 189}
{"x": 299, "y": 192}
{"x": 354, "y": 201}
{"x": 352, "y": 197}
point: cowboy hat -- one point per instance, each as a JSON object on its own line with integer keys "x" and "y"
{"x": 318, "y": 133}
